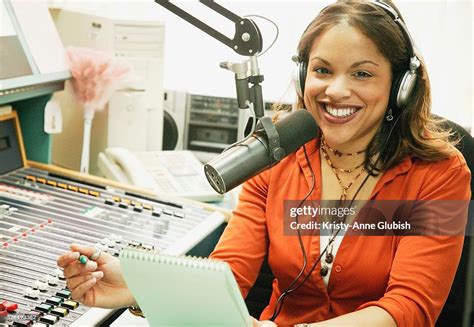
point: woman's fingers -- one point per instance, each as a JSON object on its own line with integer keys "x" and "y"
{"x": 265, "y": 323}
{"x": 70, "y": 259}
{"x": 77, "y": 250}
{"x": 78, "y": 292}
{"x": 93, "y": 253}
{"x": 86, "y": 250}
{"x": 67, "y": 258}
{"x": 77, "y": 268}
{"x": 74, "y": 282}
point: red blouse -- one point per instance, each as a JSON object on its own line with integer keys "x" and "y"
{"x": 408, "y": 276}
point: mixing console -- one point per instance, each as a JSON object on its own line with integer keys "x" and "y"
{"x": 41, "y": 213}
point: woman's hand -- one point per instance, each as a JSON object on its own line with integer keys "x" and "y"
{"x": 265, "y": 323}
{"x": 97, "y": 283}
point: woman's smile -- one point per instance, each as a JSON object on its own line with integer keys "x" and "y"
{"x": 339, "y": 113}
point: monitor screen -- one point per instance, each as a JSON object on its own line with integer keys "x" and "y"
{"x": 12, "y": 56}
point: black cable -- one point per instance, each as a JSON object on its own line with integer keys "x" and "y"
{"x": 300, "y": 239}
{"x": 289, "y": 289}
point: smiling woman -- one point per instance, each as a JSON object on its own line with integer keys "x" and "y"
{"x": 369, "y": 92}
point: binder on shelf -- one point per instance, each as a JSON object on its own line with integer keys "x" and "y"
{"x": 184, "y": 291}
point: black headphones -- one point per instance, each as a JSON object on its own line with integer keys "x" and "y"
{"x": 403, "y": 85}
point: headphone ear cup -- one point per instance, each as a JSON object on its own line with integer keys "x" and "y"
{"x": 394, "y": 91}
{"x": 296, "y": 81}
{"x": 299, "y": 78}
{"x": 303, "y": 69}
{"x": 407, "y": 88}
{"x": 403, "y": 87}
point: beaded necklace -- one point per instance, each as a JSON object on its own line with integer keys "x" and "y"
{"x": 345, "y": 188}
{"x": 329, "y": 258}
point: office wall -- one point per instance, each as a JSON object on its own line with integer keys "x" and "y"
{"x": 442, "y": 30}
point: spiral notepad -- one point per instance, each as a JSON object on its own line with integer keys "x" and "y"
{"x": 184, "y": 291}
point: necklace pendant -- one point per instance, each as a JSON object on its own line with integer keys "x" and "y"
{"x": 343, "y": 197}
{"x": 329, "y": 258}
{"x": 324, "y": 271}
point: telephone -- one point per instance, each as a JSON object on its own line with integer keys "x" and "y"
{"x": 177, "y": 173}
{"x": 121, "y": 165}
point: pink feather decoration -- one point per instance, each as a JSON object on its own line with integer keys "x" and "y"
{"x": 96, "y": 75}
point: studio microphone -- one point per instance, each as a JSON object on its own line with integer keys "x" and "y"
{"x": 242, "y": 162}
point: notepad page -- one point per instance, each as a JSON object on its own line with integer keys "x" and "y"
{"x": 184, "y": 291}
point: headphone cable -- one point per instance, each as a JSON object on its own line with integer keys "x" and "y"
{"x": 300, "y": 239}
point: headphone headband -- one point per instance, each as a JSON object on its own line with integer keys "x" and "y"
{"x": 403, "y": 28}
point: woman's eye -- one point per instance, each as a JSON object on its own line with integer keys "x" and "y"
{"x": 321, "y": 70}
{"x": 362, "y": 75}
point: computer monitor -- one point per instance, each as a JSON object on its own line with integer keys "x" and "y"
{"x": 32, "y": 55}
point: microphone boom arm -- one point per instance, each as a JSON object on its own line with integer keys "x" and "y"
{"x": 247, "y": 40}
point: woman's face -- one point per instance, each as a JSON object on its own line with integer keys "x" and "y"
{"x": 347, "y": 87}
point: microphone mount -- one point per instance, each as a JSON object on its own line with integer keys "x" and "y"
{"x": 247, "y": 41}
{"x": 276, "y": 152}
